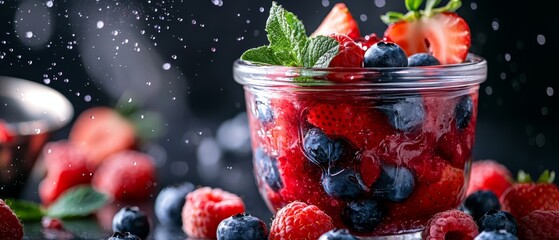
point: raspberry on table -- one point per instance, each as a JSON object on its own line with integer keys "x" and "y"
{"x": 539, "y": 225}
{"x": 242, "y": 227}
{"x": 10, "y": 226}
{"x": 451, "y": 224}
{"x": 298, "y": 220}
{"x": 205, "y": 208}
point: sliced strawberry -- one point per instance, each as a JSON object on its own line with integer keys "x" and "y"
{"x": 350, "y": 54}
{"x": 340, "y": 21}
{"x": 446, "y": 36}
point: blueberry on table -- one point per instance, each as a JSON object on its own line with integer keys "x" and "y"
{"x": 463, "y": 111}
{"x": 337, "y": 234}
{"x": 498, "y": 220}
{"x": 385, "y": 54}
{"x": 267, "y": 168}
{"x": 405, "y": 114}
{"x": 169, "y": 203}
{"x": 395, "y": 184}
{"x": 262, "y": 110}
{"x": 342, "y": 183}
{"x": 133, "y": 220}
{"x": 480, "y": 202}
{"x": 124, "y": 236}
{"x": 422, "y": 59}
{"x": 242, "y": 227}
{"x": 362, "y": 215}
{"x": 320, "y": 148}
{"x": 496, "y": 235}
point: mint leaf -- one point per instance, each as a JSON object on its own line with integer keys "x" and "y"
{"x": 262, "y": 54}
{"x": 286, "y": 34}
{"x": 319, "y": 51}
{"x": 26, "y": 210}
{"x": 77, "y": 202}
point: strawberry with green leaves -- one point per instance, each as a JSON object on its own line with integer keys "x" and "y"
{"x": 527, "y": 196}
{"x": 439, "y": 31}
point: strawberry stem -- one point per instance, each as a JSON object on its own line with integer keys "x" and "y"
{"x": 414, "y": 13}
{"x": 547, "y": 177}
{"x": 523, "y": 177}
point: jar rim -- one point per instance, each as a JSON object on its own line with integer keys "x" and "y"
{"x": 472, "y": 72}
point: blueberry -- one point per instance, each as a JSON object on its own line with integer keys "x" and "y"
{"x": 337, "y": 234}
{"x": 267, "y": 167}
{"x": 362, "y": 216}
{"x": 169, "y": 203}
{"x": 262, "y": 110}
{"x": 406, "y": 114}
{"x": 394, "y": 184}
{"x": 478, "y": 203}
{"x": 497, "y": 220}
{"x": 496, "y": 235}
{"x": 342, "y": 183}
{"x": 463, "y": 111}
{"x": 385, "y": 54}
{"x": 124, "y": 236}
{"x": 242, "y": 227}
{"x": 133, "y": 220}
{"x": 319, "y": 148}
{"x": 422, "y": 59}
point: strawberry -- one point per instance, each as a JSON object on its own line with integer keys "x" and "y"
{"x": 127, "y": 175}
{"x": 489, "y": 175}
{"x": 10, "y": 226}
{"x": 526, "y": 196}
{"x": 298, "y": 220}
{"x": 5, "y": 134}
{"x": 539, "y": 225}
{"x": 440, "y": 32}
{"x": 361, "y": 125}
{"x": 350, "y": 54}
{"x": 205, "y": 208}
{"x": 339, "y": 21}
{"x": 101, "y": 131}
{"x": 66, "y": 168}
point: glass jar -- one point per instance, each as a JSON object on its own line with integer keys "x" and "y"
{"x": 380, "y": 150}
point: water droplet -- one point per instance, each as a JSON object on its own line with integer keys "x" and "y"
{"x": 186, "y": 141}
{"x": 507, "y": 57}
{"x": 489, "y": 90}
{"x": 549, "y": 91}
{"x": 166, "y": 66}
{"x": 541, "y": 39}
{"x": 30, "y": 62}
{"x": 100, "y": 24}
{"x": 380, "y": 3}
{"x": 240, "y": 38}
{"x": 49, "y": 3}
{"x": 129, "y": 100}
{"x": 92, "y": 117}
{"x": 218, "y": 3}
{"x": 213, "y": 49}
{"x": 261, "y": 9}
{"x": 473, "y": 6}
{"x": 363, "y": 17}
{"x": 325, "y": 3}
{"x": 174, "y": 56}
{"x": 495, "y": 25}
{"x": 142, "y": 116}
{"x": 193, "y": 21}
{"x": 229, "y": 167}
{"x": 135, "y": 163}
{"x": 216, "y": 39}
{"x": 29, "y": 34}
{"x": 114, "y": 32}
{"x": 37, "y": 131}
{"x": 46, "y": 80}
{"x": 87, "y": 98}
{"x": 148, "y": 83}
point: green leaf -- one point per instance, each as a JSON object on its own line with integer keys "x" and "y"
{"x": 391, "y": 17}
{"x": 320, "y": 51}
{"x": 413, "y": 5}
{"x": 547, "y": 177}
{"x": 286, "y": 34}
{"x": 451, "y": 6}
{"x": 523, "y": 177}
{"x": 77, "y": 202}
{"x": 26, "y": 210}
{"x": 262, "y": 54}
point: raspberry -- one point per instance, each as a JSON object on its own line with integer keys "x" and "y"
{"x": 10, "y": 226}
{"x": 539, "y": 225}
{"x": 489, "y": 175}
{"x": 297, "y": 220}
{"x": 127, "y": 175}
{"x": 451, "y": 224}
{"x": 205, "y": 208}
{"x": 349, "y": 55}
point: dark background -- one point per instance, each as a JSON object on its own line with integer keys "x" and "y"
{"x": 175, "y": 57}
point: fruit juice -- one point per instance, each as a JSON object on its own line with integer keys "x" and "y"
{"x": 374, "y": 135}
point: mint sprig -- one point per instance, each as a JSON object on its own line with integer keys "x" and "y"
{"x": 415, "y": 13}
{"x": 290, "y": 45}
{"x": 79, "y": 201}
